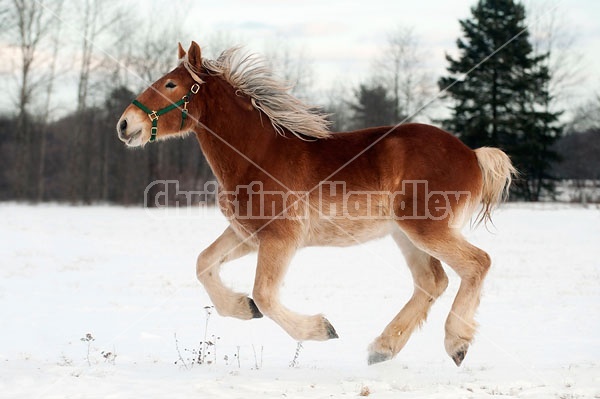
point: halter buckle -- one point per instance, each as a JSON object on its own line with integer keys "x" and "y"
{"x": 153, "y": 116}
{"x": 195, "y": 88}
{"x": 153, "y": 133}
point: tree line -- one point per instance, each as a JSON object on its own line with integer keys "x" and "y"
{"x": 508, "y": 100}
{"x": 502, "y": 90}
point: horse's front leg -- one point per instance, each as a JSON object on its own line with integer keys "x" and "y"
{"x": 227, "y": 302}
{"x": 274, "y": 256}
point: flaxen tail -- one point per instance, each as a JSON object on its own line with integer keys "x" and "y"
{"x": 497, "y": 172}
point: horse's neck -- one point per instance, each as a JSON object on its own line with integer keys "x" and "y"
{"x": 234, "y": 137}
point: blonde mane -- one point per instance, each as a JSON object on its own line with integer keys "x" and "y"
{"x": 252, "y": 76}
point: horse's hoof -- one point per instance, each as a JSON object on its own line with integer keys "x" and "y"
{"x": 256, "y": 314}
{"x": 460, "y": 354}
{"x": 378, "y": 357}
{"x": 331, "y": 333}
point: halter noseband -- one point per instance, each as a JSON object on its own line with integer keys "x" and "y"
{"x": 153, "y": 115}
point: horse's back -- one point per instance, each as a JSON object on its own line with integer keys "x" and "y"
{"x": 409, "y": 152}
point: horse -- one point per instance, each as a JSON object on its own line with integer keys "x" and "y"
{"x": 287, "y": 182}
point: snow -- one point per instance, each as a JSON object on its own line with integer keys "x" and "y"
{"x": 127, "y": 277}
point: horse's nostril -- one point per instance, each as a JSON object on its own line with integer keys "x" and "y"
{"x": 123, "y": 126}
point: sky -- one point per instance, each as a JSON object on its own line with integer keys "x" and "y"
{"x": 340, "y": 39}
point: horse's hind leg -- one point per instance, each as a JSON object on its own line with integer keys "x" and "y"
{"x": 472, "y": 265}
{"x": 227, "y": 302}
{"x": 274, "y": 256}
{"x": 430, "y": 281}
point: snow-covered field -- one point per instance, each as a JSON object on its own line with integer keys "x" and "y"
{"x": 126, "y": 276}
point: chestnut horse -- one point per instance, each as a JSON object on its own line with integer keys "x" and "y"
{"x": 287, "y": 182}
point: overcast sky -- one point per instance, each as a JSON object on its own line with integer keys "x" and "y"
{"x": 340, "y": 39}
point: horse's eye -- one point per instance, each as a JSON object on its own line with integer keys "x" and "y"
{"x": 170, "y": 85}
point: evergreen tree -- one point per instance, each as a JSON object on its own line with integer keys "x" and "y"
{"x": 503, "y": 101}
{"x": 373, "y": 107}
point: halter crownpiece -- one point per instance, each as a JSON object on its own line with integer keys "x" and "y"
{"x": 154, "y": 115}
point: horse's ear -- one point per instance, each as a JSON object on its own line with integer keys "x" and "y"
{"x": 194, "y": 54}
{"x": 180, "y": 52}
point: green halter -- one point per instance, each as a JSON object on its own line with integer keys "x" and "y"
{"x": 153, "y": 115}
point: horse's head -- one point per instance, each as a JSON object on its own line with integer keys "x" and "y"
{"x": 162, "y": 110}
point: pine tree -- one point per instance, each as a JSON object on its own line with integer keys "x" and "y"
{"x": 503, "y": 101}
{"x": 373, "y": 107}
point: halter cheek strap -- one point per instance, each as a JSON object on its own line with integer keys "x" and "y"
{"x": 154, "y": 115}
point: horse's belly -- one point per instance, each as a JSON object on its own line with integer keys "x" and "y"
{"x": 346, "y": 232}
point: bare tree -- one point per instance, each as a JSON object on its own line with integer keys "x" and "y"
{"x": 5, "y": 22}
{"x": 55, "y": 44}
{"x": 553, "y": 36}
{"x": 154, "y": 54}
{"x": 293, "y": 66}
{"x": 338, "y": 107}
{"x": 586, "y": 117}
{"x": 31, "y": 24}
{"x": 219, "y": 41}
{"x": 96, "y": 18}
{"x": 401, "y": 69}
